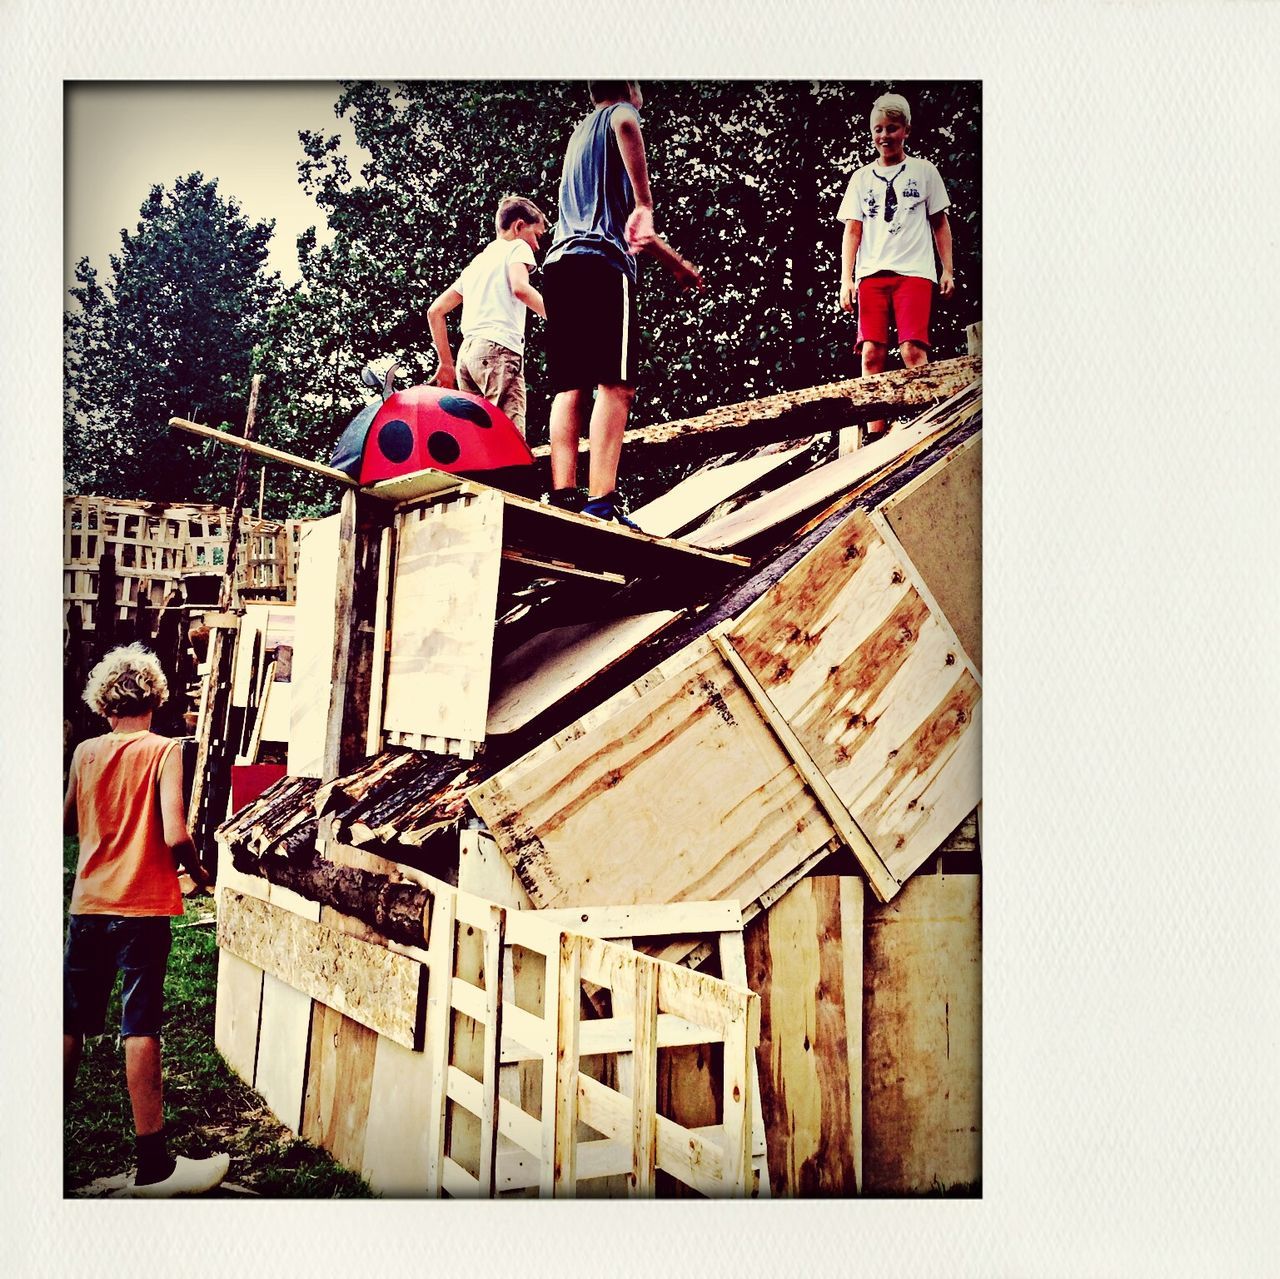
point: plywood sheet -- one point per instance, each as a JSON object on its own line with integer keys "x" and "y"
{"x": 923, "y": 1053}
{"x": 236, "y": 1013}
{"x": 280, "y": 1075}
{"x": 683, "y": 794}
{"x": 443, "y": 609}
{"x": 395, "y": 1140}
{"x": 339, "y": 1080}
{"x": 550, "y": 666}
{"x": 938, "y": 520}
{"x": 878, "y": 690}
{"x": 312, "y": 676}
{"x": 370, "y": 983}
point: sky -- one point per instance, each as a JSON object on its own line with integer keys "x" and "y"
{"x": 121, "y": 138}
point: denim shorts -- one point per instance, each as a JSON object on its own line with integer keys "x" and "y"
{"x": 99, "y": 946}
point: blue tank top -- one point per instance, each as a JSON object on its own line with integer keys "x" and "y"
{"x": 595, "y": 195}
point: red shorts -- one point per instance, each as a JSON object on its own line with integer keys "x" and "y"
{"x": 910, "y": 296}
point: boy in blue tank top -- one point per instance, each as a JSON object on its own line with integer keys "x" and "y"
{"x": 589, "y": 286}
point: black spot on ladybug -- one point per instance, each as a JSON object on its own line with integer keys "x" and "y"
{"x": 468, "y": 410}
{"x": 443, "y": 447}
{"x": 395, "y": 439}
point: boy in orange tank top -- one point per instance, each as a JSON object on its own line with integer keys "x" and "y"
{"x": 124, "y": 799}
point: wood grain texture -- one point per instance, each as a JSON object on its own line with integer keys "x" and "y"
{"x": 395, "y": 1139}
{"x": 236, "y": 1014}
{"x": 687, "y": 774}
{"x": 280, "y": 1075}
{"x": 938, "y": 520}
{"x": 335, "y": 1111}
{"x": 369, "y": 983}
{"x": 801, "y": 955}
{"x": 875, "y": 687}
{"x": 923, "y": 1054}
{"x": 313, "y": 645}
{"x": 443, "y": 609}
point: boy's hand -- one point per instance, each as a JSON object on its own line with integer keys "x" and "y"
{"x": 640, "y": 230}
{"x": 687, "y": 275}
{"x": 846, "y": 296}
{"x": 446, "y": 377}
{"x": 946, "y": 284}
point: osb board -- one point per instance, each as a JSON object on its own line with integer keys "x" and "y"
{"x": 804, "y": 959}
{"x": 875, "y": 686}
{"x": 236, "y": 1014}
{"x": 922, "y": 1002}
{"x": 556, "y": 662}
{"x": 443, "y": 608}
{"x": 395, "y": 1139}
{"x": 938, "y": 520}
{"x": 283, "y": 1036}
{"x": 339, "y": 1079}
{"x": 312, "y": 677}
{"x": 683, "y": 794}
{"x": 373, "y": 985}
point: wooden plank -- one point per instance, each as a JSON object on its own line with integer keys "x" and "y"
{"x": 937, "y": 518}
{"x": 549, "y": 667}
{"x": 923, "y": 1053}
{"x": 438, "y": 1035}
{"x": 562, "y": 1167}
{"x": 443, "y": 610}
{"x": 280, "y": 1074}
{"x": 339, "y": 1079}
{"x": 395, "y": 1147}
{"x": 559, "y": 568}
{"x": 614, "y": 922}
{"x": 344, "y": 586}
{"x": 688, "y": 771}
{"x": 876, "y": 689}
{"x": 418, "y": 485}
{"x": 700, "y": 493}
{"x": 313, "y": 646}
{"x": 381, "y": 643}
{"x": 792, "y": 414}
{"x": 800, "y": 957}
{"x": 236, "y": 1014}
{"x": 807, "y": 491}
{"x": 263, "y": 450}
{"x": 369, "y": 983}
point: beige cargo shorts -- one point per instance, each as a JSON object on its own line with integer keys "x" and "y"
{"x": 485, "y": 368}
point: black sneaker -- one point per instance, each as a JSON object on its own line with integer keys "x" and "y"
{"x": 566, "y": 499}
{"x": 609, "y": 507}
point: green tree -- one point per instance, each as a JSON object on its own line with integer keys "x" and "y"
{"x": 174, "y": 332}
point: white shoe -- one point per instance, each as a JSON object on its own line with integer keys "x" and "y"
{"x": 189, "y": 1177}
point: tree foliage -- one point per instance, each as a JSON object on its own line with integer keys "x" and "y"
{"x": 173, "y": 333}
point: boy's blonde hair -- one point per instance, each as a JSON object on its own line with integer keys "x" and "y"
{"x": 128, "y": 681}
{"x": 516, "y": 208}
{"x": 893, "y": 104}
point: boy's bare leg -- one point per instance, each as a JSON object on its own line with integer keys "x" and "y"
{"x": 608, "y": 422}
{"x": 72, "y": 1046}
{"x": 873, "y": 359}
{"x": 569, "y": 412}
{"x": 142, "y": 1074}
{"x": 914, "y": 355}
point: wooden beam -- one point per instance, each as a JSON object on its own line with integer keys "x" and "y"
{"x": 264, "y": 450}
{"x": 811, "y": 411}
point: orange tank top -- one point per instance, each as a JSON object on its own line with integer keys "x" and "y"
{"x": 125, "y": 866}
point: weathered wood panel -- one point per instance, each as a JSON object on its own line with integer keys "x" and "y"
{"x": 443, "y": 608}
{"x": 923, "y": 1054}
{"x": 683, "y": 794}
{"x": 236, "y": 1014}
{"x": 804, "y": 958}
{"x": 311, "y": 679}
{"x": 373, "y": 985}
{"x": 395, "y": 1139}
{"x": 280, "y": 1074}
{"x": 339, "y": 1080}
{"x": 938, "y": 520}
{"x": 877, "y": 689}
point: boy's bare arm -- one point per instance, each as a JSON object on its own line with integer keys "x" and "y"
{"x": 848, "y": 256}
{"x": 941, "y": 225}
{"x": 518, "y": 278}
{"x": 70, "y": 823}
{"x": 446, "y": 302}
{"x": 173, "y": 817}
{"x": 626, "y": 128}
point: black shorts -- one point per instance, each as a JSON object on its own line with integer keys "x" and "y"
{"x": 99, "y": 946}
{"x": 593, "y": 338}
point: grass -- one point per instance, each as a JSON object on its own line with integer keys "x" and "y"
{"x": 207, "y": 1108}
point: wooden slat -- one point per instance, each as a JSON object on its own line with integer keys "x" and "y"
{"x": 438, "y": 1033}
{"x": 236, "y": 1013}
{"x": 563, "y": 1107}
{"x": 611, "y": 922}
{"x": 372, "y": 985}
{"x": 644, "y": 1083}
{"x": 280, "y": 1074}
{"x": 313, "y": 646}
{"x": 381, "y": 641}
{"x": 263, "y": 450}
{"x": 395, "y": 1147}
{"x": 339, "y": 1080}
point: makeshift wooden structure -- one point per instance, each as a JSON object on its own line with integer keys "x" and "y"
{"x": 661, "y": 742}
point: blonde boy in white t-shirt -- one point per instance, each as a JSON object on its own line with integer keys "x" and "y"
{"x": 895, "y": 213}
{"x": 494, "y": 293}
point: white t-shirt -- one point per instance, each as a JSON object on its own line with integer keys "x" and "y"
{"x": 904, "y": 245}
{"x": 489, "y": 308}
